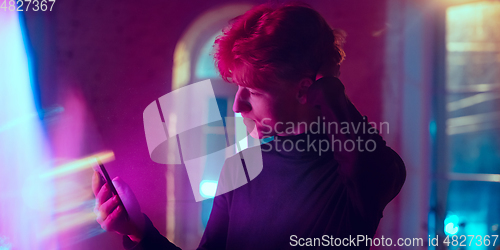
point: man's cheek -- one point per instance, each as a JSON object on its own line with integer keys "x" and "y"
{"x": 266, "y": 127}
{"x": 280, "y": 127}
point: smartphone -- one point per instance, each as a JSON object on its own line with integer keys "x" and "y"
{"x": 105, "y": 177}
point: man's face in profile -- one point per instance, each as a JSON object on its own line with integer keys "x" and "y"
{"x": 266, "y": 110}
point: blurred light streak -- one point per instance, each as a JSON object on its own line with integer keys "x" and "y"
{"x": 475, "y": 47}
{"x": 72, "y": 196}
{"x": 25, "y": 205}
{"x": 472, "y": 128}
{"x": 472, "y": 119}
{"x": 73, "y": 146}
{"x": 473, "y": 123}
{"x": 28, "y": 118}
{"x": 471, "y": 100}
{"x": 12, "y": 123}
{"x": 78, "y": 165}
{"x": 482, "y": 87}
{"x": 66, "y": 222}
{"x": 474, "y": 177}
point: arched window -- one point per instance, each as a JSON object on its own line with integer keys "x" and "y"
{"x": 193, "y": 62}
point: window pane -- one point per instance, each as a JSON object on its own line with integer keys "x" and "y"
{"x": 473, "y": 120}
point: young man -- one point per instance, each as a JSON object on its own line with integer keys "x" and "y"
{"x": 285, "y": 62}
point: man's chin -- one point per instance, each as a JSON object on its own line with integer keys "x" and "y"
{"x": 253, "y": 129}
{"x": 258, "y": 134}
{"x": 254, "y": 132}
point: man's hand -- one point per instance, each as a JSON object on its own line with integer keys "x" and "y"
{"x": 328, "y": 94}
{"x": 110, "y": 215}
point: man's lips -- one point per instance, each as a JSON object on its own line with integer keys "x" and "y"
{"x": 250, "y": 124}
{"x": 251, "y": 127}
{"x": 248, "y": 121}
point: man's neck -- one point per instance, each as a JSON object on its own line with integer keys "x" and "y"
{"x": 303, "y": 124}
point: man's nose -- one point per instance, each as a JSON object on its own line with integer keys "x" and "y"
{"x": 241, "y": 102}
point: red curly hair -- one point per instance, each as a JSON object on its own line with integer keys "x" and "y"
{"x": 268, "y": 44}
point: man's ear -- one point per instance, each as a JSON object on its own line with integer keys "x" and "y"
{"x": 303, "y": 88}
